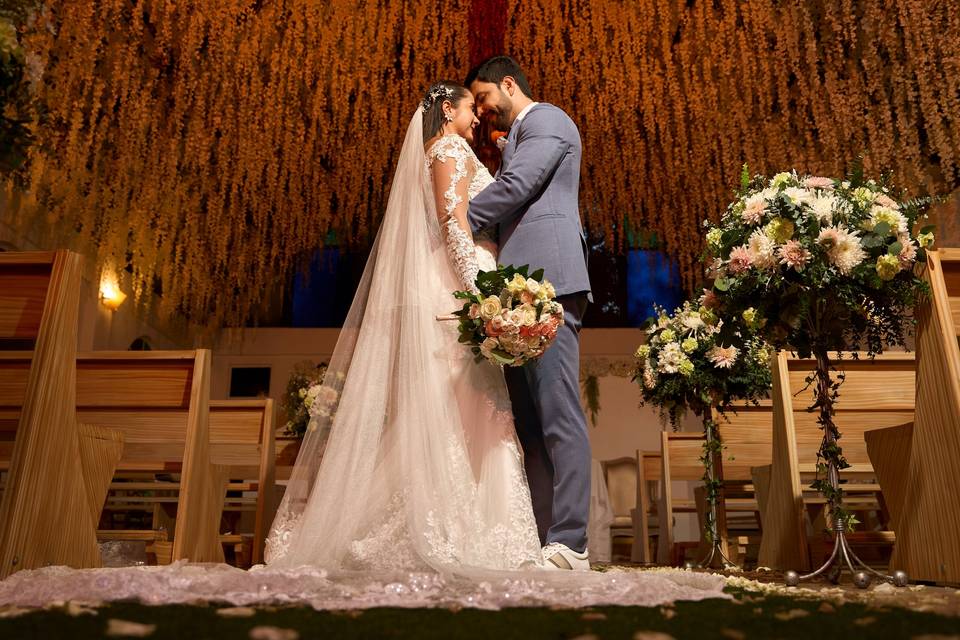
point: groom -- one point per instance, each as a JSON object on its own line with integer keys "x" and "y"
{"x": 533, "y": 204}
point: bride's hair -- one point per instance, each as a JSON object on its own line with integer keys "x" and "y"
{"x": 433, "y": 99}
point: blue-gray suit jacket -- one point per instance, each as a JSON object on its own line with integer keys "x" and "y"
{"x": 534, "y": 201}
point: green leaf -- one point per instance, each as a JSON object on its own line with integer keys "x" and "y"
{"x": 872, "y": 240}
{"x": 502, "y": 356}
{"x": 722, "y": 284}
{"x": 930, "y": 228}
{"x": 882, "y": 229}
{"x": 895, "y": 248}
{"x": 745, "y": 177}
{"x": 537, "y": 275}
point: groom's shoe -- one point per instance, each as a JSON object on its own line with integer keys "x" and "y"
{"x": 558, "y": 556}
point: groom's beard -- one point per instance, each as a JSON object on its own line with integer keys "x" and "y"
{"x": 504, "y": 107}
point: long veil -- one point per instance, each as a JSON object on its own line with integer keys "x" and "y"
{"x": 385, "y": 417}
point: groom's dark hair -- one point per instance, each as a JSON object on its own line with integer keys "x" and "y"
{"x": 495, "y": 69}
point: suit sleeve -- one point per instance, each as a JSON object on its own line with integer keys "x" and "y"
{"x": 539, "y": 150}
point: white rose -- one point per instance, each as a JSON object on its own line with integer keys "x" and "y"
{"x": 533, "y": 286}
{"x": 490, "y": 307}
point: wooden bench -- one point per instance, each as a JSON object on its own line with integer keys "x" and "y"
{"x": 57, "y": 469}
{"x": 876, "y": 394}
{"x": 918, "y": 462}
{"x": 746, "y": 432}
{"x": 242, "y": 439}
{"x": 159, "y": 400}
{"x": 680, "y": 461}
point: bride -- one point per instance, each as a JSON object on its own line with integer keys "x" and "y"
{"x": 411, "y": 460}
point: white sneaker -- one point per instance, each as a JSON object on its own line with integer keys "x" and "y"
{"x": 558, "y": 556}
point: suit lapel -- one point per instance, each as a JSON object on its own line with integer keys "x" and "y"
{"x": 507, "y": 153}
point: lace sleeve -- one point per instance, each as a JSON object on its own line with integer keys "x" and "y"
{"x": 448, "y": 159}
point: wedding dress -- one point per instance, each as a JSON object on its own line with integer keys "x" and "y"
{"x": 409, "y": 487}
{"x": 422, "y": 468}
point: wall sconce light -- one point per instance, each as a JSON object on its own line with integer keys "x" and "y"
{"x": 110, "y": 295}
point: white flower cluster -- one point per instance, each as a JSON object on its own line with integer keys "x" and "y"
{"x": 675, "y": 340}
{"x": 842, "y": 215}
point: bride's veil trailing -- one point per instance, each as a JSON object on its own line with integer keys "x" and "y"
{"x": 371, "y": 445}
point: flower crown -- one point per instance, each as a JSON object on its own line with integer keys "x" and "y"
{"x": 440, "y": 92}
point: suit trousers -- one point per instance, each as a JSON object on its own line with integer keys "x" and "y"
{"x": 552, "y": 430}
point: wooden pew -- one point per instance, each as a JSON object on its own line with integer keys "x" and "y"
{"x": 876, "y": 394}
{"x": 920, "y": 463}
{"x": 242, "y": 439}
{"x": 645, "y": 523}
{"x": 57, "y": 468}
{"x": 746, "y": 432}
{"x": 680, "y": 461}
{"x": 620, "y": 475}
{"x": 159, "y": 400}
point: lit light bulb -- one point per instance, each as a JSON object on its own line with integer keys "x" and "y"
{"x": 110, "y": 294}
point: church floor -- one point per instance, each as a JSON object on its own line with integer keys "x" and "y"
{"x": 757, "y": 611}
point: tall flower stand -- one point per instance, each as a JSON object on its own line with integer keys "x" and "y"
{"x": 830, "y": 452}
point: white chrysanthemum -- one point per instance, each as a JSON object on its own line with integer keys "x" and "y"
{"x": 669, "y": 358}
{"x": 848, "y": 252}
{"x": 798, "y": 195}
{"x": 762, "y": 250}
{"x": 822, "y": 207}
{"x": 692, "y": 321}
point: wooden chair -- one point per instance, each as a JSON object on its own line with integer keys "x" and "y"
{"x": 159, "y": 400}
{"x": 918, "y": 464}
{"x": 649, "y": 466}
{"x": 57, "y": 468}
{"x": 242, "y": 439}
{"x": 621, "y": 479}
{"x": 876, "y": 394}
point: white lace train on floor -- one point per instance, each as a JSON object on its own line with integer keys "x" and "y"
{"x": 309, "y": 586}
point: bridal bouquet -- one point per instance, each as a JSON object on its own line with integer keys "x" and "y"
{"x": 513, "y": 318}
{"x": 693, "y": 360}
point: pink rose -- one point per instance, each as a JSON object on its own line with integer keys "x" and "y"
{"x": 527, "y": 298}
{"x": 494, "y": 328}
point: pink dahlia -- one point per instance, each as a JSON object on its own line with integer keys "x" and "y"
{"x": 740, "y": 260}
{"x": 794, "y": 255}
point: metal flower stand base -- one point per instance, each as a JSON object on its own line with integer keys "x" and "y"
{"x": 843, "y": 554}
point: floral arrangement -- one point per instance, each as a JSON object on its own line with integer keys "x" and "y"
{"x": 305, "y": 396}
{"x": 815, "y": 265}
{"x": 694, "y": 360}
{"x": 807, "y": 259}
{"x": 512, "y": 318}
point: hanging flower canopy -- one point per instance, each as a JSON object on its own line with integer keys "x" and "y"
{"x": 210, "y": 146}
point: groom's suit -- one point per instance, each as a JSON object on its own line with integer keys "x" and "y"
{"x": 534, "y": 204}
